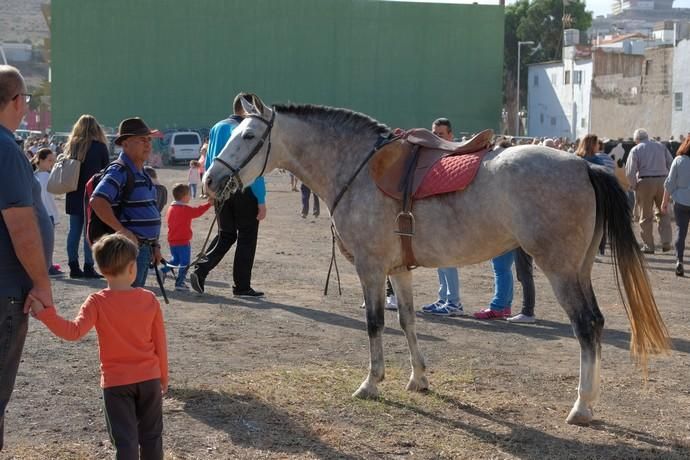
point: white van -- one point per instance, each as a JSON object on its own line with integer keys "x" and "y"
{"x": 182, "y": 146}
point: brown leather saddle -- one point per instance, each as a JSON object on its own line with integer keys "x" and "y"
{"x": 392, "y": 165}
{"x": 399, "y": 168}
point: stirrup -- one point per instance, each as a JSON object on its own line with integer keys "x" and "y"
{"x": 406, "y": 215}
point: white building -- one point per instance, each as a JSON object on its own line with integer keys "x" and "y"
{"x": 680, "y": 117}
{"x": 559, "y": 95}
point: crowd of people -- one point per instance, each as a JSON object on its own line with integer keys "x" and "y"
{"x": 129, "y": 201}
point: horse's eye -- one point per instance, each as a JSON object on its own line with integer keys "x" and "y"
{"x": 248, "y": 135}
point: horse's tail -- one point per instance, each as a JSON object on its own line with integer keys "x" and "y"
{"x": 649, "y": 333}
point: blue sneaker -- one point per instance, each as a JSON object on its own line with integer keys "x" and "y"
{"x": 432, "y": 306}
{"x": 448, "y": 309}
{"x": 457, "y": 309}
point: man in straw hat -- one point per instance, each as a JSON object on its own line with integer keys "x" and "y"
{"x": 139, "y": 218}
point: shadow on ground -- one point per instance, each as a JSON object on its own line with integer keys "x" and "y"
{"x": 546, "y": 330}
{"x": 326, "y": 317}
{"x": 528, "y": 443}
{"x": 252, "y": 423}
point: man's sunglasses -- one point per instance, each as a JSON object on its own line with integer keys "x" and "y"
{"x": 27, "y": 97}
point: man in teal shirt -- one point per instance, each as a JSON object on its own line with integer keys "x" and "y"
{"x": 238, "y": 216}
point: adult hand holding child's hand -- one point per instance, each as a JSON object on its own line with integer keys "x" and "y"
{"x": 35, "y": 305}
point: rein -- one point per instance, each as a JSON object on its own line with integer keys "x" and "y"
{"x": 380, "y": 143}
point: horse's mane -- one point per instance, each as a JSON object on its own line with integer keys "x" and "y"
{"x": 343, "y": 118}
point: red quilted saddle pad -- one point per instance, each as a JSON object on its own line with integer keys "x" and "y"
{"x": 450, "y": 174}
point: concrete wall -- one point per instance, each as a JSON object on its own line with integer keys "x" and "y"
{"x": 631, "y": 91}
{"x": 680, "y": 120}
{"x": 179, "y": 63}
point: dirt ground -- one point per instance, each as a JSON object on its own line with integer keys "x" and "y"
{"x": 273, "y": 378}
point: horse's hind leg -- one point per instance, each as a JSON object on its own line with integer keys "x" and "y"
{"x": 374, "y": 298}
{"x": 402, "y": 285}
{"x": 577, "y": 299}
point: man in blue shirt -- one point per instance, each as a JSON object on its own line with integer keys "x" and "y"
{"x": 238, "y": 216}
{"x": 138, "y": 216}
{"x": 23, "y": 266}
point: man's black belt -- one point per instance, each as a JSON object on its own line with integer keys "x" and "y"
{"x": 651, "y": 177}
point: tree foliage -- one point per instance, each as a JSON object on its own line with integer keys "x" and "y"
{"x": 542, "y": 22}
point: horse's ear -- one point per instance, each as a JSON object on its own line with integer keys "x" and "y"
{"x": 248, "y": 107}
{"x": 268, "y": 112}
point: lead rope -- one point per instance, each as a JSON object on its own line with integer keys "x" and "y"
{"x": 201, "y": 257}
{"x": 334, "y": 263}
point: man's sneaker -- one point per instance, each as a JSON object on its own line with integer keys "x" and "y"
{"x": 522, "y": 318}
{"x": 54, "y": 271}
{"x": 457, "y": 309}
{"x": 247, "y": 293}
{"x": 433, "y": 306}
{"x": 447, "y": 309}
{"x": 197, "y": 281}
{"x": 679, "y": 269}
{"x": 488, "y": 313}
{"x": 391, "y": 302}
{"x": 182, "y": 287}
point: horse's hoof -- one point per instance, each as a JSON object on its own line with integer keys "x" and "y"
{"x": 366, "y": 392}
{"x": 583, "y": 417}
{"x": 419, "y": 385}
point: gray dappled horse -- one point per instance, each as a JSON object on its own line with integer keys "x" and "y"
{"x": 553, "y": 204}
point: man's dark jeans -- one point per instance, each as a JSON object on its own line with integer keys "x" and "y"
{"x": 525, "y": 275}
{"x": 236, "y": 222}
{"x": 13, "y": 326}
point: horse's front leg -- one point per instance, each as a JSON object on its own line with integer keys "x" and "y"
{"x": 402, "y": 285}
{"x": 374, "y": 298}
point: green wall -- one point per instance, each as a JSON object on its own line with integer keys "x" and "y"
{"x": 179, "y": 63}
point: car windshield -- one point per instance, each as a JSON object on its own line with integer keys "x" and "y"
{"x": 186, "y": 139}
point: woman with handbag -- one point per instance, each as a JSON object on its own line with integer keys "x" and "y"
{"x": 87, "y": 144}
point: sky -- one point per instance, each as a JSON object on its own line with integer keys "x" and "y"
{"x": 599, "y": 7}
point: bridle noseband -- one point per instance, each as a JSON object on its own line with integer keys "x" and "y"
{"x": 266, "y": 135}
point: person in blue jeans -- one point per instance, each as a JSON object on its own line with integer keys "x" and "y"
{"x": 448, "y": 303}
{"x": 500, "y": 306}
{"x": 86, "y": 143}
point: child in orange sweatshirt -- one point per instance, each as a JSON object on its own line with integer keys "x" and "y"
{"x": 179, "y": 219}
{"x": 132, "y": 349}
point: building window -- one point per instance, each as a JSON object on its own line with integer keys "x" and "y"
{"x": 535, "y": 81}
{"x": 582, "y": 123}
{"x": 553, "y": 121}
{"x": 633, "y": 91}
{"x": 566, "y": 78}
{"x": 647, "y": 66}
{"x": 678, "y": 102}
{"x": 577, "y": 77}
{"x": 541, "y": 118}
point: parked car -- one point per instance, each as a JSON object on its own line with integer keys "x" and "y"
{"x": 181, "y": 146}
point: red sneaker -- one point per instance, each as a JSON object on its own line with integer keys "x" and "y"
{"x": 488, "y": 313}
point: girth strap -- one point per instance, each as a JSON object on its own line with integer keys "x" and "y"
{"x": 405, "y": 218}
